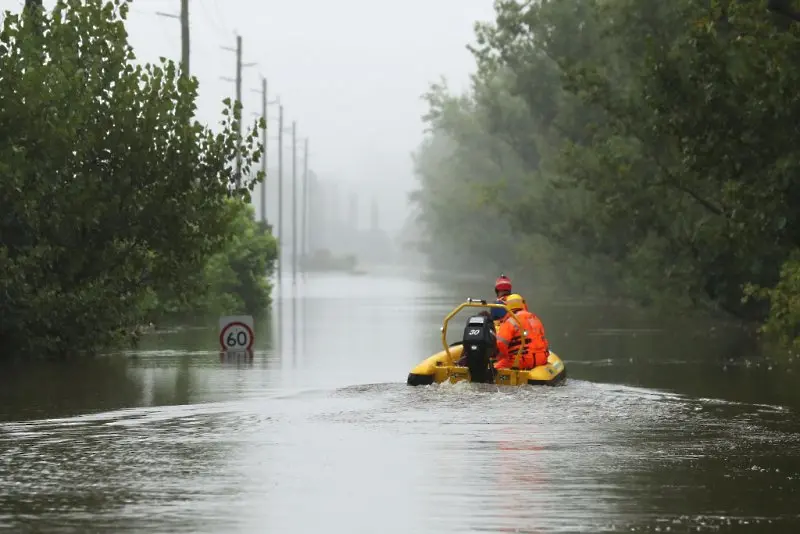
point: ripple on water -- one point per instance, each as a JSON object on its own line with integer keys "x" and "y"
{"x": 444, "y": 458}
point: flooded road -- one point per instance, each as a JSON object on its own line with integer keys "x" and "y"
{"x": 655, "y": 431}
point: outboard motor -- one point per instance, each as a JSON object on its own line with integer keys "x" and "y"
{"x": 480, "y": 345}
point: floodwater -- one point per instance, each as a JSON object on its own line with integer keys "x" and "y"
{"x": 656, "y": 430}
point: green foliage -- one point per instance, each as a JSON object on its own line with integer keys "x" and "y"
{"x": 783, "y": 322}
{"x": 110, "y": 192}
{"x": 234, "y": 280}
{"x": 643, "y": 148}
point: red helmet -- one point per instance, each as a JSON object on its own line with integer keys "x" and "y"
{"x": 502, "y": 283}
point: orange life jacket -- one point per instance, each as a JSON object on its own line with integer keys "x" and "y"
{"x": 509, "y": 338}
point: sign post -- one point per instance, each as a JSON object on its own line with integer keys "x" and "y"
{"x": 236, "y": 335}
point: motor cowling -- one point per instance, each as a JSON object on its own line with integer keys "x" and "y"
{"x": 479, "y": 347}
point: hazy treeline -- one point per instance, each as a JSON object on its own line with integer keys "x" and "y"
{"x": 116, "y": 207}
{"x": 641, "y": 148}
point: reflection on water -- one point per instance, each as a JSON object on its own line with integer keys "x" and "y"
{"x": 318, "y": 432}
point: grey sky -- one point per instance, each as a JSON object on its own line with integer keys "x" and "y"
{"x": 351, "y": 72}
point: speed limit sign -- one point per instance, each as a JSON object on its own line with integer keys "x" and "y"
{"x": 236, "y": 333}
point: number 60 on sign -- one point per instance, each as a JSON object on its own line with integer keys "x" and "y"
{"x": 236, "y": 333}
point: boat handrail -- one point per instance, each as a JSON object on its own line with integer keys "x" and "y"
{"x": 481, "y": 303}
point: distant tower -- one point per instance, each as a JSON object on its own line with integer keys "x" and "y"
{"x": 332, "y": 220}
{"x": 353, "y": 213}
{"x": 334, "y": 203}
{"x": 315, "y": 213}
{"x": 373, "y": 219}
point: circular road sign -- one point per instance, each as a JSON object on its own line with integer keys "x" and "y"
{"x": 236, "y": 336}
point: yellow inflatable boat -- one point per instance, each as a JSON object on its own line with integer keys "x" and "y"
{"x": 471, "y": 358}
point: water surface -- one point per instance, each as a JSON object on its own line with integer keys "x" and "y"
{"x": 654, "y": 431}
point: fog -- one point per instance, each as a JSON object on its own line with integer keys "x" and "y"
{"x": 350, "y": 73}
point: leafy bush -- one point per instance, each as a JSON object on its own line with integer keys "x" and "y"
{"x": 110, "y": 192}
{"x": 783, "y": 322}
{"x": 234, "y": 280}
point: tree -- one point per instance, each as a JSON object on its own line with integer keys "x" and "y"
{"x": 460, "y": 167}
{"x": 109, "y": 190}
{"x": 656, "y": 144}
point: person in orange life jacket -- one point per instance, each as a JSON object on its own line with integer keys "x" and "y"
{"x": 509, "y": 338}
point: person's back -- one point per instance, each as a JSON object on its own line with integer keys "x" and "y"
{"x": 539, "y": 344}
{"x": 509, "y": 338}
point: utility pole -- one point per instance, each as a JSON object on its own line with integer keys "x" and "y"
{"x": 305, "y": 204}
{"x": 265, "y": 103}
{"x": 280, "y": 189}
{"x": 239, "y": 99}
{"x": 264, "y": 155}
{"x": 238, "y": 80}
{"x": 294, "y": 202}
{"x": 185, "y": 37}
{"x": 184, "y": 18}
